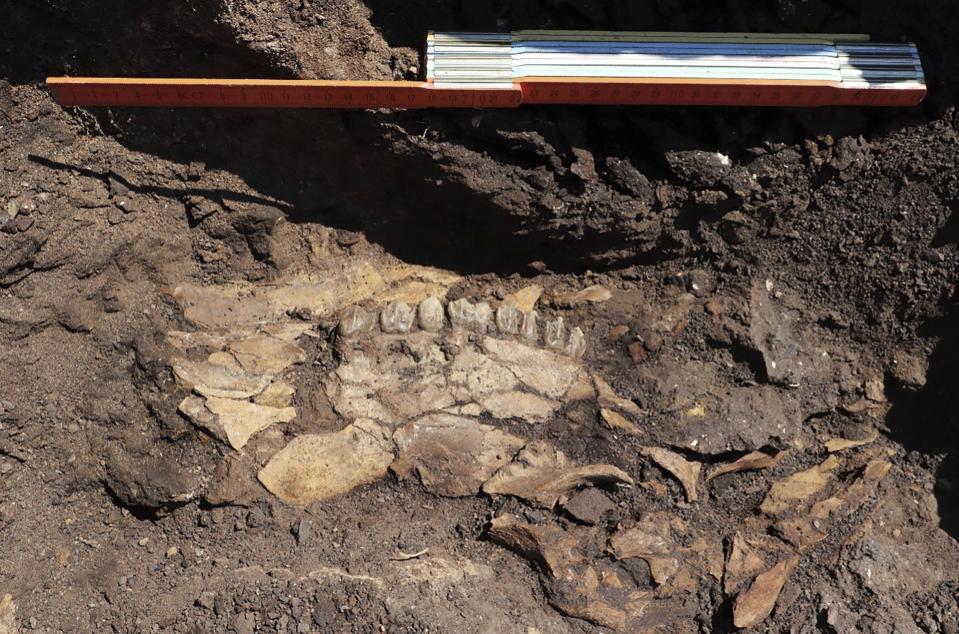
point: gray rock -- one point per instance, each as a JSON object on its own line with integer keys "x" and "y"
{"x": 206, "y": 600}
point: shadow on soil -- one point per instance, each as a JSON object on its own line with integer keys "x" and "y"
{"x": 342, "y": 168}
{"x": 927, "y": 420}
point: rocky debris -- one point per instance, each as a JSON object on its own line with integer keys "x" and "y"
{"x": 753, "y": 461}
{"x": 231, "y": 484}
{"x": 700, "y": 283}
{"x": 686, "y": 471}
{"x": 787, "y": 356}
{"x": 908, "y": 371}
{"x": 233, "y": 421}
{"x": 589, "y": 506}
{"x": 316, "y": 467}
{"x": 543, "y": 476}
{"x": 785, "y": 494}
{"x": 630, "y": 180}
{"x": 709, "y": 170}
{"x": 702, "y": 411}
{"x": 756, "y": 603}
{"x": 451, "y": 455}
{"x": 148, "y": 481}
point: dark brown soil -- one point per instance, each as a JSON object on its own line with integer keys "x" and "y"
{"x": 849, "y": 218}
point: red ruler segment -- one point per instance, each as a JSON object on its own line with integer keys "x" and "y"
{"x": 715, "y": 93}
{"x": 256, "y": 93}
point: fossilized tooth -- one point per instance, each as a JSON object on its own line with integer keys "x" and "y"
{"x": 554, "y": 335}
{"x": 430, "y": 315}
{"x": 509, "y": 319}
{"x": 356, "y": 321}
{"x": 462, "y": 313}
{"x": 397, "y": 317}
{"x": 576, "y": 346}
{"x": 530, "y": 328}
{"x": 484, "y": 317}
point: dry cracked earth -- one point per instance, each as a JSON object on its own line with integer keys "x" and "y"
{"x": 540, "y": 371}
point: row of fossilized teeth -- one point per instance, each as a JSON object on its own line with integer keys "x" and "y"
{"x": 431, "y": 316}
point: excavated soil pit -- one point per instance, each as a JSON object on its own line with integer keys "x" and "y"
{"x": 759, "y": 434}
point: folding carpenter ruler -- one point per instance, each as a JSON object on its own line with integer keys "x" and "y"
{"x": 506, "y": 70}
